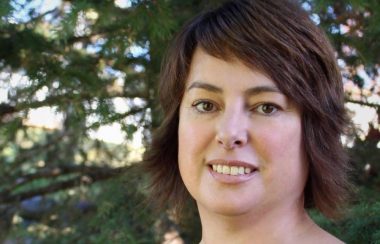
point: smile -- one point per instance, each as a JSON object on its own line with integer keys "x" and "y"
{"x": 231, "y": 170}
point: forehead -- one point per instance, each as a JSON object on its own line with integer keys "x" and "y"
{"x": 230, "y": 74}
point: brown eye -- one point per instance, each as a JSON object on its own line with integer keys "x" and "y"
{"x": 267, "y": 109}
{"x": 204, "y": 107}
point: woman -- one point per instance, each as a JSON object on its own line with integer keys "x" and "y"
{"x": 253, "y": 114}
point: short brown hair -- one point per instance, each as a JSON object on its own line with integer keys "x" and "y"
{"x": 278, "y": 38}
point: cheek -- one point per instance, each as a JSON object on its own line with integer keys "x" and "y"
{"x": 282, "y": 151}
{"x": 191, "y": 144}
{"x": 186, "y": 141}
{"x": 194, "y": 137}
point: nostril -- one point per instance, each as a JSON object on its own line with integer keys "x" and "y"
{"x": 230, "y": 142}
{"x": 238, "y": 143}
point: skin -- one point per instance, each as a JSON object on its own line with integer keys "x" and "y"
{"x": 230, "y": 113}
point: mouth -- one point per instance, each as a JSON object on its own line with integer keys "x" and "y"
{"x": 232, "y": 167}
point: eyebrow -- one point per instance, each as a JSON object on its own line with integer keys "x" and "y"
{"x": 261, "y": 89}
{"x": 206, "y": 86}
{"x": 250, "y": 92}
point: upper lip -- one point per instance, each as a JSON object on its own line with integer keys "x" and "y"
{"x": 237, "y": 163}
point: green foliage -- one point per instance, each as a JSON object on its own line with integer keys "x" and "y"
{"x": 361, "y": 223}
{"x": 84, "y": 58}
{"x": 5, "y": 8}
{"x": 119, "y": 216}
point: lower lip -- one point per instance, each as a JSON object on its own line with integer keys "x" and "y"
{"x": 231, "y": 179}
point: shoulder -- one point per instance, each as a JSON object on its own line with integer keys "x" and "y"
{"x": 317, "y": 235}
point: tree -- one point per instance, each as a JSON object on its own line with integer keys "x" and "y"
{"x": 96, "y": 63}
{"x": 79, "y": 59}
{"x": 353, "y": 28}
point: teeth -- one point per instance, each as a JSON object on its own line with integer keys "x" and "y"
{"x": 226, "y": 170}
{"x": 233, "y": 170}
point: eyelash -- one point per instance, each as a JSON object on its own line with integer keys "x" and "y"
{"x": 275, "y": 108}
{"x": 203, "y": 102}
{"x": 255, "y": 108}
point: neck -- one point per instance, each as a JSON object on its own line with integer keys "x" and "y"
{"x": 280, "y": 225}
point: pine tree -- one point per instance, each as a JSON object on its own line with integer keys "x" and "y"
{"x": 79, "y": 59}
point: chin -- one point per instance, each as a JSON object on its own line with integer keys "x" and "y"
{"x": 229, "y": 208}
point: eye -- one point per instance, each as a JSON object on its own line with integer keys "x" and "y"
{"x": 267, "y": 109}
{"x": 204, "y": 106}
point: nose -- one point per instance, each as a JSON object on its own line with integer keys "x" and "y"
{"x": 232, "y": 130}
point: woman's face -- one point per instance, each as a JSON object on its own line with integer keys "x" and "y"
{"x": 240, "y": 145}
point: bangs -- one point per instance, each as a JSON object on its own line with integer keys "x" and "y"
{"x": 223, "y": 34}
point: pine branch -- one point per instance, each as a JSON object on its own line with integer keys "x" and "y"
{"x": 6, "y": 109}
{"x": 41, "y": 16}
{"x": 117, "y": 117}
{"x": 88, "y": 175}
{"x": 363, "y": 103}
{"x": 40, "y": 148}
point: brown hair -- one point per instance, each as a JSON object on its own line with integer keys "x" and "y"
{"x": 278, "y": 38}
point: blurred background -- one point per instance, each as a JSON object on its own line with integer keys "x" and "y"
{"x": 78, "y": 104}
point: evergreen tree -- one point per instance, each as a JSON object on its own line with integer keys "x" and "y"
{"x": 82, "y": 58}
